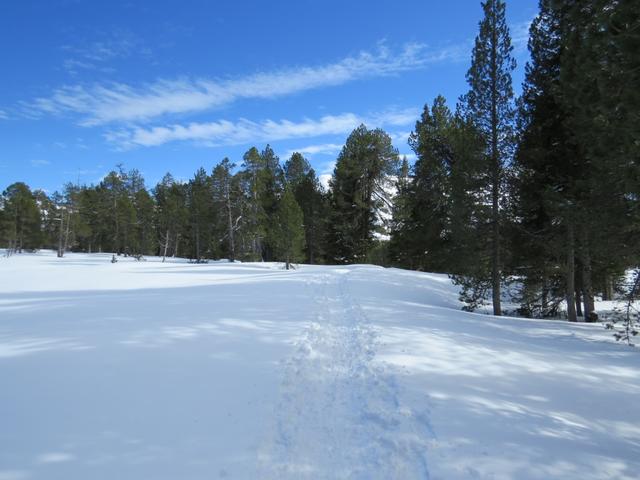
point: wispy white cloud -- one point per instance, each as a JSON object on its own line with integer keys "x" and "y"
{"x": 4, "y": 115}
{"x": 95, "y": 55}
{"x": 322, "y": 149}
{"x": 40, "y": 163}
{"x": 102, "y": 104}
{"x": 225, "y": 132}
{"x": 113, "y": 103}
{"x": 401, "y": 138}
{"x": 520, "y": 35}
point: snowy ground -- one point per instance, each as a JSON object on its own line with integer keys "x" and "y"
{"x": 144, "y": 370}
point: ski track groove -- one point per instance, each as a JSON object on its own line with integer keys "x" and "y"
{"x": 339, "y": 414}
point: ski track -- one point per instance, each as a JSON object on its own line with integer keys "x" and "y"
{"x": 339, "y": 415}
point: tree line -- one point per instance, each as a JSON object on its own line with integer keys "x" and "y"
{"x": 537, "y": 193}
{"x": 261, "y": 211}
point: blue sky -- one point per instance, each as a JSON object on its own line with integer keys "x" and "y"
{"x": 170, "y": 85}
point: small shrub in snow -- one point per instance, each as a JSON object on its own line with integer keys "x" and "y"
{"x": 625, "y": 321}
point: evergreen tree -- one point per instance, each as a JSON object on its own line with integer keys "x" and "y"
{"x": 51, "y": 218}
{"x": 272, "y": 179}
{"x": 430, "y": 189}
{"x": 227, "y": 200}
{"x": 489, "y": 105}
{"x": 437, "y": 213}
{"x": 22, "y": 218}
{"x": 145, "y": 239}
{"x": 74, "y": 228}
{"x": 401, "y": 222}
{"x": 358, "y": 191}
{"x": 296, "y": 169}
{"x": 171, "y": 214}
{"x": 288, "y": 232}
{"x": 115, "y": 213}
{"x": 254, "y": 214}
{"x": 301, "y": 179}
{"x": 544, "y": 187}
{"x": 201, "y": 215}
{"x": 599, "y": 65}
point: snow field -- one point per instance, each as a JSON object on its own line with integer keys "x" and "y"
{"x": 171, "y": 370}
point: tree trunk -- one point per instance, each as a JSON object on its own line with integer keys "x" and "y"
{"x": 175, "y": 249}
{"x": 587, "y": 285}
{"x": 232, "y": 243}
{"x": 578, "y": 287}
{"x": 607, "y": 290}
{"x": 166, "y": 245}
{"x": 495, "y": 257}
{"x": 66, "y": 233}
{"x": 197, "y": 243}
{"x": 60, "y": 251}
{"x": 495, "y": 179}
{"x": 578, "y": 303}
{"x": 570, "y": 274}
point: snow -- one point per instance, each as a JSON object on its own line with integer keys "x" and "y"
{"x": 173, "y": 370}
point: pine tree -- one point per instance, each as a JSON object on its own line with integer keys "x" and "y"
{"x": 272, "y": 179}
{"x": 201, "y": 215}
{"x": 400, "y": 252}
{"x": 489, "y": 105}
{"x": 171, "y": 214}
{"x": 227, "y": 203}
{"x": 430, "y": 189}
{"x": 546, "y": 167}
{"x": 599, "y": 65}
{"x": 357, "y": 192}
{"x": 437, "y": 211}
{"x": 302, "y": 181}
{"x": 22, "y": 217}
{"x": 254, "y": 214}
{"x": 288, "y": 231}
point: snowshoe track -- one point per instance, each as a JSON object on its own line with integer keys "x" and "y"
{"x": 339, "y": 414}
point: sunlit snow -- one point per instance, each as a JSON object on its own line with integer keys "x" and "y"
{"x": 150, "y": 370}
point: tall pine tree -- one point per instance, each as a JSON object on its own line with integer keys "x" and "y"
{"x": 489, "y": 105}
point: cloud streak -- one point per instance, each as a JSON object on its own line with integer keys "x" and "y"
{"x": 40, "y": 163}
{"x": 121, "y": 103}
{"x": 321, "y": 149}
{"x": 117, "y": 102}
{"x": 225, "y": 132}
{"x": 116, "y": 45}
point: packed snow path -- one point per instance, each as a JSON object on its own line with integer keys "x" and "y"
{"x": 170, "y": 370}
{"x": 340, "y": 415}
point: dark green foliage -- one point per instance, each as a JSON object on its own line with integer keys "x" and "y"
{"x": 287, "y": 231}
{"x": 547, "y": 164}
{"x": 438, "y": 215}
{"x": 574, "y": 187}
{"x": 625, "y": 320}
{"x": 201, "y": 216}
{"x": 358, "y": 191}
{"x": 227, "y": 198}
{"x": 302, "y": 181}
{"x": 170, "y": 214}
{"x": 400, "y": 246}
{"x": 21, "y": 218}
{"x": 489, "y": 106}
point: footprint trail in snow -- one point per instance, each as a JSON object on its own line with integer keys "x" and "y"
{"x": 339, "y": 414}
